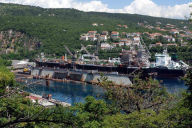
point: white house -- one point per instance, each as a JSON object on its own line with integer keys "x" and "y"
{"x": 103, "y": 37}
{"x": 106, "y": 46}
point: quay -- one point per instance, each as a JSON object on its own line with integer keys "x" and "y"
{"x": 46, "y": 102}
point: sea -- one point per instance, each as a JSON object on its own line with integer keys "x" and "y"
{"x": 73, "y": 92}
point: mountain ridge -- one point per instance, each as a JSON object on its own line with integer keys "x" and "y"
{"x": 58, "y": 27}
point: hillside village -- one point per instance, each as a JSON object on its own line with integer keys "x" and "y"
{"x": 168, "y": 35}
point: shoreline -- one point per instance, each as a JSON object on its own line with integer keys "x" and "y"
{"x": 59, "y": 80}
{"x": 52, "y": 79}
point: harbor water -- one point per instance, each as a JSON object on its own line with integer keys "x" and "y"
{"x": 72, "y": 92}
{"x": 69, "y": 92}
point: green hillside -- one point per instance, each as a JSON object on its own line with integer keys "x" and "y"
{"x": 58, "y": 27}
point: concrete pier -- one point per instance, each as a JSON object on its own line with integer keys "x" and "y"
{"x": 81, "y": 76}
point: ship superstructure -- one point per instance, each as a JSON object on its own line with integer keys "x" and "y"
{"x": 164, "y": 61}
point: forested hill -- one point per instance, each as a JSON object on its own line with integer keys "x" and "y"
{"x": 58, "y": 27}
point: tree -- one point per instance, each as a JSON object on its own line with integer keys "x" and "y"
{"x": 188, "y": 81}
{"x": 143, "y": 94}
{"x": 6, "y": 79}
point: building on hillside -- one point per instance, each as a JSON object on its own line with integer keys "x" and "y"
{"x": 119, "y": 44}
{"x": 154, "y": 35}
{"x": 106, "y": 46}
{"x": 184, "y": 44}
{"x": 92, "y": 33}
{"x": 92, "y": 38}
{"x": 105, "y": 33}
{"x": 174, "y": 31}
{"x": 159, "y": 44}
{"x": 124, "y": 39}
{"x": 114, "y": 35}
{"x": 119, "y": 25}
{"x": 84, "y": 37}
{"x": 172, "y": 44}
{"x": 125, "y": 26}
{"x": 95, "y": 24}
{"x": 128, "y": 42}
{"x": 136, "y": 38}
{"x": 136, "y": 42}
{"x": 103, "y": 37}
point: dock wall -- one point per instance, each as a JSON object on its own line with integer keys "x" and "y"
{"x": 81, "y": 76}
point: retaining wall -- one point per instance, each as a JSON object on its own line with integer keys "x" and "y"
{"x": 82, "y": 76}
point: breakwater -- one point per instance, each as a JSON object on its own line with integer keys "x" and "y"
{"x": 82, "y": 76}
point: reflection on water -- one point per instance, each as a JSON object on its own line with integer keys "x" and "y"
{"x": 76, "y": 92}
{"x": 173, "y": 85}
{"x": 67, "y": 92}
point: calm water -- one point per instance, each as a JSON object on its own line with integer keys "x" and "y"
{"x": 76, "y": 92}
{"x": 173, "y": 85}
{"x": 67, "y": 92}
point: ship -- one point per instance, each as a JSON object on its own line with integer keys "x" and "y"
{"x": 162, "y": 67}
{"x": 131, "y": 62}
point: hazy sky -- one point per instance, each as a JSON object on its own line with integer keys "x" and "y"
{"x": 159, "y": 8}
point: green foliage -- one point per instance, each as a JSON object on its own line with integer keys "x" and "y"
{"x": 58, "y": 27}
{"x": 4, "y": 62}
{"x": 188, "y": 96}
{"x": 91, "y": 114}
{"x": 6, "y": 79}
{"x": 143, "y": 94}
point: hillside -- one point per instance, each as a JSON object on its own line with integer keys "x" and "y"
{"x": 58, "y": 27}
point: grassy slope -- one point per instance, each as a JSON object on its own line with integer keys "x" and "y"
{"x": 41, "y": 23}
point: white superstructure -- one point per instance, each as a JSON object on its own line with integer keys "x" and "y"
{"x": 164, "y": 60}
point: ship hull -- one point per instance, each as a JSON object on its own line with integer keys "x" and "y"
{"x": 145, "y": 72}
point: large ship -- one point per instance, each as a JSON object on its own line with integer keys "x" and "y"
{"x": 162, "y": 67}
{"x": 166, "y": 67}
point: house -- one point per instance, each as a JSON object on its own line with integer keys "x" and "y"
{"x": 123, "y": 39}
{"x": 128, "y": 42}
{"x": 92, "y": 32}
{"x": 184, "y": 44}
{"x": 94, "y": 24}
{"x": 97, "y": 35}
{"x": 103, "y": 37}
{"x": 125, "y": 26}
{"x": 119, "y": 25}
{"x": 170, "y": 26}
{"x": 114, "y": 35}
{"x": 171, "y": 44}
{"x": 119, "y": 44}
{"x": 155, "y": 35}
{"x": 84, "y": 37}
{"x": 123, "y": 33}
{"x": 169, "y": 38}
{"x": 136, "y": 38}
{"x": 136, "y": 42}
{"x": 158, "y": 44}
{"x": 106, "y": 46}
{"x": 105, "y": 33}
{"x": 174, "y": 31}
{"x": 92, "y": 38}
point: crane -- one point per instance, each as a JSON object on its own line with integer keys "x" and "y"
{"x": 74, "y": 57}
{"x": 68, "y": 50}
{"x": 84, "y": 48}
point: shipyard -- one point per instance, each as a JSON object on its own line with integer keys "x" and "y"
{"x": 95, "y": 64}
{"x": 88, "y": 68}
{"x": 129, "y": 62}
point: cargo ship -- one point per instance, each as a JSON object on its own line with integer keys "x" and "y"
{"x": 162, "y": 67}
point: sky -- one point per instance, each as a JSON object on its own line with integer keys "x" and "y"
{"x": 177, "y": 9}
